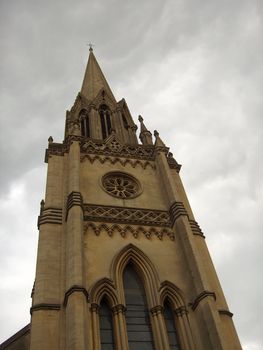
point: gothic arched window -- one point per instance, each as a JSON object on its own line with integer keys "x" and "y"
{"x": 137, "y": 315}
{"x": 106, "y": 326}
{"x": 105, "y": 120}
{"x": 84, "y": 122}
{"x": 170, "y": 326}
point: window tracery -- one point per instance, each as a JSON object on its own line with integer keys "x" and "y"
{"x": 121, "y": 185}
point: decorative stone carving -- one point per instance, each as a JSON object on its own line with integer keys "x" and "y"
{"x": 93, "y": 212}
{"x": 114, "y": 147}
{"x": 134, "y": 230}
{"x": 121, "y": 185}
{"x": 113, "y": 160}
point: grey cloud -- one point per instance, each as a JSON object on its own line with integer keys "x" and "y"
{"x": 192, "y": 69}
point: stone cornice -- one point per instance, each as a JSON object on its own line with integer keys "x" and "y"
{"x": 201, "y": 296}
{"x": 196, "y": 228}
{"x": 225, "y": 312}
{"x": 110, "y": 147}
{"x": 176, "y": 210}
{"x": 74, "y": 289}
{"x": 50, "y": 216}
{"x": 57, "y": 149}
{"x": 44, "y": 306}
{"x": 74, "y": 199}
{"x": 139, "y": 216}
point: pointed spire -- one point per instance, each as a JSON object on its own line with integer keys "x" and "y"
{"x": 94, "y": 79}
{"x": 145, "y": 134}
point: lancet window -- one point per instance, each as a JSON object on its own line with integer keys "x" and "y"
{"x": 137, "y": 316}
{"x": 170, "y": 326}
{"x": 105, "y": 120}
{"x": 85, "y": 123}
{"x": 106, "y": 326}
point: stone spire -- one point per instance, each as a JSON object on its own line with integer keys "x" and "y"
{"x": 94, "y": 80}
{"x": 145, "y": 134}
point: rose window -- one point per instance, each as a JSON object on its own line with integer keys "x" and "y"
{"x": 121, "y": 185}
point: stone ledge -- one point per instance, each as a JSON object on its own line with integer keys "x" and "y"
{"x": 74, "y": 289}
{"x": 201, "y": 296}
{"x": 74, "y": 198}
{"x": 50, "y": 216}
{"x": 225, "y": 312}
{"x": 44, "y": 306}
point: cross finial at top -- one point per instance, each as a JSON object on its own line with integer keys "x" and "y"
{"x": 90, "y": 47}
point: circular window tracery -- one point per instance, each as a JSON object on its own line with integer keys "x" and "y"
{"x": 121, "y": 185}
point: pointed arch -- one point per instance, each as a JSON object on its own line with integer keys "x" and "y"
{"x": 176, "y": 316}
{"x": 105, "y": 120}
{"x": 143, "y": 266}
{"x": 171, "y": 328}
{"x": 84, "y": 122}
{"x": 106, "y": 326}
{"x": 104, "y": 289}
{"x": 104, "y": 97}
{"x": 168, "y": 291}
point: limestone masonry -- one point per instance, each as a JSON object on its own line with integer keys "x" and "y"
{"x": 122, "y": 263}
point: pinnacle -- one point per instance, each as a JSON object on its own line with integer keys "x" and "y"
{"x": 143, "y": 127}
{"x": 158, "y": 140}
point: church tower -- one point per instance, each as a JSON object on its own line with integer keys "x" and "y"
{"x": 122, "y": 263}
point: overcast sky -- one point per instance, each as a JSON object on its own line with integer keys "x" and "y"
{"x": 193, "y": 70}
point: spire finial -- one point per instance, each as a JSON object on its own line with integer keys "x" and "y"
{"x": 156, "y": 134}
{"x": 94, "y": 80}
{"x": 90, "y": 47}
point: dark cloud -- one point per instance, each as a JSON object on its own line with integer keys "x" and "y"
{"x": 192, "y": 69}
